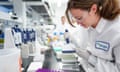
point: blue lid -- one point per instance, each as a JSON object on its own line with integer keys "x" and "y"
{"x": 61, "y": 33}
{"x": 55, "y": 33}
{"x": 66, "y": 30}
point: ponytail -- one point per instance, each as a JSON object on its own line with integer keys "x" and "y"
{"x": 110, "y": 9}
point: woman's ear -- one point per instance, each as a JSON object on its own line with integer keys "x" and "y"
{"x": 93, "y": 9}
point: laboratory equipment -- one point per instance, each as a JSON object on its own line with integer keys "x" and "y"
{"x": 66, "y": 34}
{"x": 9, "y": 60}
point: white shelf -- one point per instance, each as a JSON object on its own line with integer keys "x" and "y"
{"x": 6, "y": 16}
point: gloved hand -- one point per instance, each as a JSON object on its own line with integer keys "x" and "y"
{"x": 83, "y": 53}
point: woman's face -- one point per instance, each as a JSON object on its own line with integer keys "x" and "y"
{"x": 84, "y": 18}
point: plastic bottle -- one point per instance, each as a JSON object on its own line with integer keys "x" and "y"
{"x": 66, "y": 36}
{"x": 1, "y": 39}
{"x": 24, "y": 36}
{"x": 61, "y": 37}
{"x": 17, "y": 35}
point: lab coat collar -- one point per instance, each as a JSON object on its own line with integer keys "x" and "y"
{"x": 100, "y": 26}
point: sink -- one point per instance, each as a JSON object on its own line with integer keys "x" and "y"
{"x": 9, "y": 60}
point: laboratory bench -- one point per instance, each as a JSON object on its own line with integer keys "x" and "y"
{"x": 53, "y": 64}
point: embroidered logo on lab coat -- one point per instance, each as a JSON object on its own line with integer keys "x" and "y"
{"x": 102, "y": 45}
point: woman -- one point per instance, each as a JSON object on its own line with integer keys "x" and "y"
{"x": 102, "y": 19}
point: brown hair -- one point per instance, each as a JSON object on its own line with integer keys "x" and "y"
{"x": 108, "y": 9}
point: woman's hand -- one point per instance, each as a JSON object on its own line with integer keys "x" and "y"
{"x": 83, "y": 53}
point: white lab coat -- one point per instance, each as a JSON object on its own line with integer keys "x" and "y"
{"x": 104, "y": 43}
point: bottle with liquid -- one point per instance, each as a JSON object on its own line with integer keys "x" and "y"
{"x": 66, "y": 36}
{"x": 1, "y": 39}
